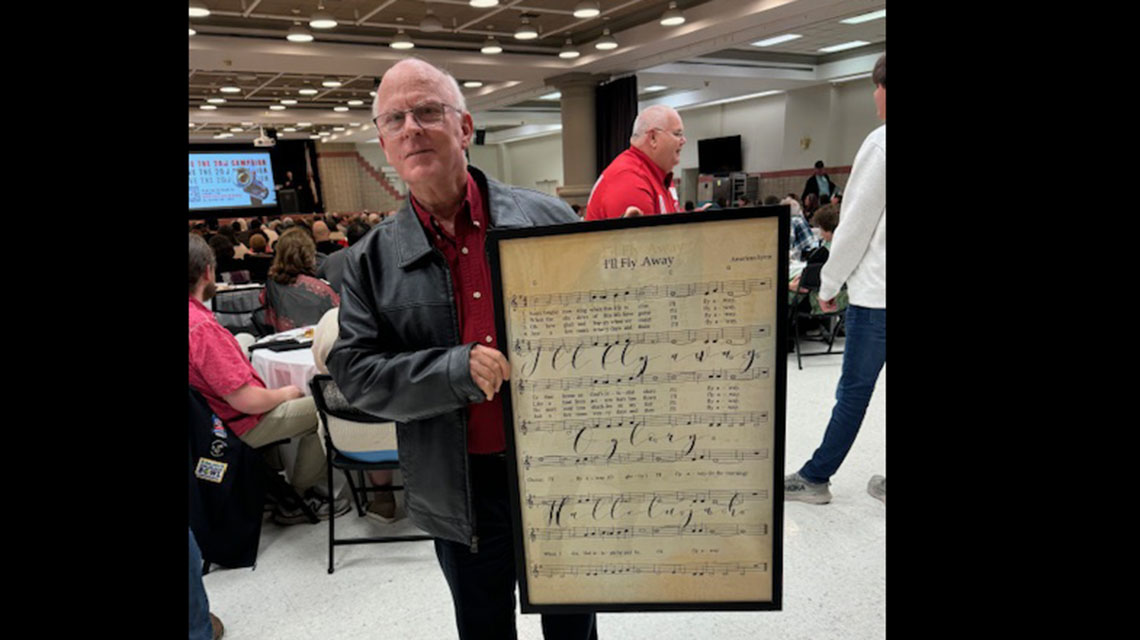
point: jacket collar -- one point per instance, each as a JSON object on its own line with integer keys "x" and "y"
{"x": 502, "y": 209}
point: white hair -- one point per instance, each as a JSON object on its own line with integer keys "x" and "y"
{"x": 460, "y": 102}
{"x": 649, "y": 119}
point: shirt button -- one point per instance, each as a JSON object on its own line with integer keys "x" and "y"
{"x": 475, "y": 222}
{"x": 463, "y": 250}
{"x": 477, "y": 295}
{"x": 488, "y": 339}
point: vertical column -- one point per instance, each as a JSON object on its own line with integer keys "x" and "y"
{"x": 579, "y": 142}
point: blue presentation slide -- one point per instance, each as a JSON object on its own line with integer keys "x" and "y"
{"x": 231, "y": 180}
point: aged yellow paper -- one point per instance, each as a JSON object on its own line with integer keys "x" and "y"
{"x": 642, "y": 388}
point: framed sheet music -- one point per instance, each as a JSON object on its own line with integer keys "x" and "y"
{"x": 645, "y": 417}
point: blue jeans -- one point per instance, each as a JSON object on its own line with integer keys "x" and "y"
{"x": 200, "y": 626}
{"x": 864, "y": 353}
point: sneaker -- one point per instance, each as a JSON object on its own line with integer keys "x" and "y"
{"x": 382, "y": 508}
{"x": 877, "y": 487}
{"x": 798, "y": 489}
{"x": 319, "y": 505}
{"x": 219, "y": 629}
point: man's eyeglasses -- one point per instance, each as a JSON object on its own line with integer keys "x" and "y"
{"x": 426, "y": 114}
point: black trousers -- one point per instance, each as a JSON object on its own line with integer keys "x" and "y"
{"x": 483, "y": 583}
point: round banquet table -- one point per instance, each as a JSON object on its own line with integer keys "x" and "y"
{"x": 280, "y": 368}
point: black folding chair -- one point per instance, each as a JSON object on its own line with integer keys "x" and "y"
{"x": 831, "y": 324}
{"x": 332, "y": 404}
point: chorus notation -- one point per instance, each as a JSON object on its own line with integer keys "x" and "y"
{"x": 644, "y": 378}
{"x": 731, "y": 288}
{"x": 723, "y": 529}
{"x": 718, "y": 456}
{"x": 722, "y": 335}
{"x": 691, "y": 569}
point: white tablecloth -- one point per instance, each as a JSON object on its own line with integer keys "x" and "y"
{"x": 280, "y": 368}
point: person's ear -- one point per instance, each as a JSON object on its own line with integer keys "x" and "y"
{"x": 467, "y": 125}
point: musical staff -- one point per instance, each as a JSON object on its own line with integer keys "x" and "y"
{"x": 691, "y": 569}
{"x": 726, "y": 335}
{"x": 718, "y": 456}
{"x": 731, "y": 288}
{"x": 723, "y": 529}
{"x": 715, "y": 496}
{"x": 713, "y": 420}
{"x": 645, "y": 378}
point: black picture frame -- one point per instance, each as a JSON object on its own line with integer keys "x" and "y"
{"x": 495, "y": 239}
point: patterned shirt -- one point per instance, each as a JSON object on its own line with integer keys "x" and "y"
{"x": 218, "y": 367}
{"x": 801, "y": 237}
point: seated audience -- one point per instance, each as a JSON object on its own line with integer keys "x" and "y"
{"x": 811, "y": 203}
{"x": 221, "y": 372}
{"x": 333, "y": 266}
{"x": 293, "y": 297}
{"x": 223, "y": 250}
{"x": 689, "y": 206}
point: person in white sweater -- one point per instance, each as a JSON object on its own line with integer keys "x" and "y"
{"x": 859, "y": 258}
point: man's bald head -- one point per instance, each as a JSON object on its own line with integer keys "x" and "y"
{"x": 320, "y": 231}
{"x": 420, "y": 71}
{"x": 659, "y": 133}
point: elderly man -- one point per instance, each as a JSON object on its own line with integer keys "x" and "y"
{"x": 418, "y": 343}
{"x": 220, "y": 371}
{"x": 858, "y": 257}
{"x": 640, "y": 180}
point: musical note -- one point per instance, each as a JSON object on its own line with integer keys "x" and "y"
{"x": 725, "y": 335}
{"x": 723, "y": 529}
{"x": 733, "y": 288}
{"x": 691, "y": 569}
{"x": 645, "y": 378}
{"x": 718, "y": 456}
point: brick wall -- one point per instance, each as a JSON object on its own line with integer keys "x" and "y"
{"x": 350, "y": 183}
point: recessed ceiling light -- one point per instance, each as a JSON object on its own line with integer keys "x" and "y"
{"x": 229, "y": 88}
{"x": 299, "y": 34}
{"x": 672, "y": 17}
{"x": 606, "y": 42}
{"x": 787, "y": 37}
{"x": 472, "y": 84}
{"x": 866, "y": 17}
{"x": 276, "y": 107}
{"x": 569, "y": 51}
{"x": 354, "y": 124}
{"x": 308, "y": 91}
{"x": 331, "y": 82}
{"x": 237, "y": 130}
{"x": 207, "y": 107}
{"x": 586, "y": 9}
{"x": 401, "y": 41}
{"x": 355, "y": 103}
{"x": 192, "y": 31}
{"x": 247, "y": 124}
{"x": 551, "y": 96}
{"x": 491, "y": 46}
{"x": 288, "y": 101}
{"x": 340, "y": 108}
{"x": 338, "y": 128}
{"x": 430, "y": 23}
{"x": 289, "y": 129}
{"x": 654, "y": 87}
{"x": 526, "y": 31}
{"x": 483, "y": 4}
{"x": 372, "y": 93}
{"x": 322, "y": 20}
{"x": 191, "y": 125}
{"x": 304, "y": 124}
{"x": 198, "y": 10}
{"x": 843, "y": 47}
{"x": 313, "y": 136}
{"x": 223, "y": 135}
{"x": 216, "y": 100}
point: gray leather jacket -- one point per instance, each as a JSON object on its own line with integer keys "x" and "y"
{"x": 399, "y": 356}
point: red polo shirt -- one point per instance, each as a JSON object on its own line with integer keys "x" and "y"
{"x": 218, "y": 367}
{"x": 471, "y": 280}
{"x": 632, "y": 179}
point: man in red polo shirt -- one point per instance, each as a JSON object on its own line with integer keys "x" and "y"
{"x": 640, "y": 180}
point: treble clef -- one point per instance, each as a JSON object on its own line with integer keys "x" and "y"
{"x": 523, "y": 427}
{"x": 526, "y": 462}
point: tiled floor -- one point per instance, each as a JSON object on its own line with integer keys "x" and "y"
{"x": 834, "y": 562}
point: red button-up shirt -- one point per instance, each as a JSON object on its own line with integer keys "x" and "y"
{"x": 471, "y": 282}
{"x": 632, "y": 179}
{"x": 218, "y": 367}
